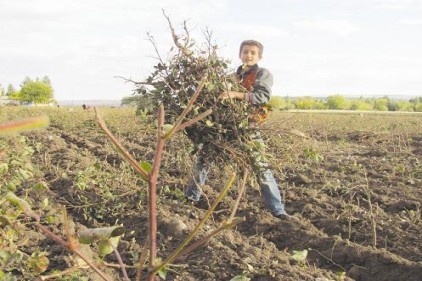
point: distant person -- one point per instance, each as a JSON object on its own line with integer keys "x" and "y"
{"x": 258, "y": 82}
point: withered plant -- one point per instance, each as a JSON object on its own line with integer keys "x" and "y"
{"x": 185, "y": 92}
{"x": 174, "y": 81}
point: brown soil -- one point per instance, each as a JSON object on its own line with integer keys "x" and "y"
{"x": 353, "y": 183}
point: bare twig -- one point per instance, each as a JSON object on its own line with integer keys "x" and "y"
{"x": 176, "y": 253}
{"x": 142, "y": 259}
{"x": 57, "y": 274}
{"x": 371, "y": 213}
{"x": 119, "y": 146}
{"x": 154, "y": 44}
{"x": 153, "y": 193}
{"x": 328, "y": 259}
{"x": 194, "y": 120}
{"x": 239, "y": 196}
{"x": 225, "y": 225}
{"x": 119, "y": 259}
{"x": 182, "y": 48}
{"x": 70, "y": 247}
{"x": 24, "y": 125}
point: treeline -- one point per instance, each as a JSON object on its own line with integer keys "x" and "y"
{"x": 31, "y": 91}
{"x": 334, "y": 102}
{"x": 338, "y": 102}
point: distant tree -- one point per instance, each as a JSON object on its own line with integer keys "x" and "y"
{"x": 26, "y": 81}
{"x": 401, "y": 105}
{"x": 319, "y": 104}
{"x": 289, "y": 103}
{"x": 416, "y": 100}
{"x": 305, "y": 103}
{"x": 130, "y": 101}
{"x": 46, "y": 80}
{"x": 360, "y": 104}
{"x": 36, "y": 91}
{"x": 337, "y": 102}
{"x": 10, "y": 90}
{"x": 381, "y": 104}
{"x": 417, "y": 103}
{"x": 277, "y": 103}
{"x": 2, "y": 91}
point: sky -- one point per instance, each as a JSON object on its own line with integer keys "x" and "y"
{"x": 312, "y": 47}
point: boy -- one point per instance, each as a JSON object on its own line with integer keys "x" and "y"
{"x": 258, "y": 82}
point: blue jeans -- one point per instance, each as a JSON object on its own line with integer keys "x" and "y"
{"x": 266, "y": 180}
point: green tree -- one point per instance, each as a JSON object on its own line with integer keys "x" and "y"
{"x": 402, "y": 105}
{"x": 10, "y": 90}
{"x": 305, "y": 103}
{"x": 2, "y": 91}
{"x": 277, "y": 103}
{"x": 36, "y": 91}
{"x": 337, "y": 102}
{"x": 381, "y": 104}
{"x": 46, "y": 80}
{"x": 319, "y": 104}
{"x": 130, "y": 101}
{"x": 416, "y": 100}
{"x": 417, "y": 103}
{"x": 360, "y": 104}
{"x": 290, "y": 103}
{"x": 26, "y": 81}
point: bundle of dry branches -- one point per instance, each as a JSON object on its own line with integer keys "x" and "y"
{"x": 173, "y": 83}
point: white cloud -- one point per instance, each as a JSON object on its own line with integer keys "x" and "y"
{"x": 88, "y": 41}
{"x": 397, "y": 4}
{"x": 413, "y": 21}
{"x": 340, "y": 28}
{"x": 324, "y": 73}
{"x": 391, "y": 5}
{"x": 317, "y": 48}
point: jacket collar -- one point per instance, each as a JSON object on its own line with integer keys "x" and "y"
{"x": 241, "y": 70}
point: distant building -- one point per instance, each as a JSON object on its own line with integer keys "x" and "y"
{"x": 4, "y": 100}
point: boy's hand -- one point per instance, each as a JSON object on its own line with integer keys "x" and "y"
{"x": 232, "y": 95}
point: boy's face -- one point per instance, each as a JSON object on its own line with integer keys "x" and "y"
{"x": 250, "y": 55}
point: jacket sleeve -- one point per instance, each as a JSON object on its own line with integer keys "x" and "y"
{"x": 261, "y": 91}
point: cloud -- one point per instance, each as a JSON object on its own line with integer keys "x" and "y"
{"x": 89, "y": 41}
{"x": 325, "y": 73}
{"x": 340, "y": 28}
{"x": 371, "y": 5}
{"x": 82, "y": 45}
{"x": 397, "y": 4}
{"x": 410, "y": 21}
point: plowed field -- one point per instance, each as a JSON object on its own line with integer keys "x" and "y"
{"x": 352, "y": 181}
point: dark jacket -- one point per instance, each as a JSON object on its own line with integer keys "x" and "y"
{"x": 258, "y": 81}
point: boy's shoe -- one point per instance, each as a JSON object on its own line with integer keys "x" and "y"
{"x": 188, "y": 201}
{"x": 201, "y": 203}
{"x": 285, "y": 217}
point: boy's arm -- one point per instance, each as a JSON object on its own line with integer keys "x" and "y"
{"x": 261, "y": 92}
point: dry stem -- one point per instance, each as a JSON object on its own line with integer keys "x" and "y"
{"x": 371, "y": 213}
{"x": 120, "y": 147}
{"x": 177, "y": 252}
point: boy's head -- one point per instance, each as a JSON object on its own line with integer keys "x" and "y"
{"x": 252, "y": 43}
{"x": 250, "y": 52}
